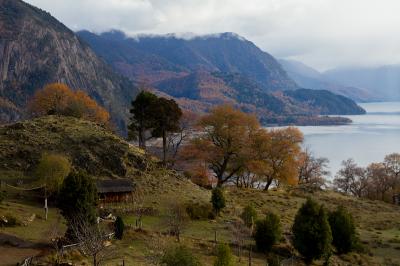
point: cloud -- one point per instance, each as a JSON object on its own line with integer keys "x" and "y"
{"x": 321, "y": 33}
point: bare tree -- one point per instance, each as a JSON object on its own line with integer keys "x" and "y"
{"x": 176, "y": 219}
{"x": 241, "y": 233}
{"x": 312, "y": 170}
{"x": 177, "y": 139}
{"x": 91, "y": 240}
{"x": 351, "y": 178}
{"x": 247, "y": 179}
{"x": 374, "y": 182}
{"x": 392, "y": 164}
{"x": 380, "y": 180}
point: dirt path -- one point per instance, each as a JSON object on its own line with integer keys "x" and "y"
{"x": 14, "y": 250}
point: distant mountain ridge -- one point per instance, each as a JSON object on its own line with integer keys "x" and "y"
{"x": 383, "y": 80}
{"x": 36, "y": 49}
{"x": 308, "y": 77}
{"x": 202, "y": 71}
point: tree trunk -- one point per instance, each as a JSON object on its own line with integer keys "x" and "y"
{"x": 268, "y": 184}
{"x": 94, "y": 260}
{"x": 142, "y": 139}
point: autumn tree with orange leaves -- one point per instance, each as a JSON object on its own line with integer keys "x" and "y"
{"x": 59, "y": 99}
{"x": 237, "y": 149}
{"x": 226, "y": 134}
{"x": 271, "y": 156}
{"x": 279, "y": 150}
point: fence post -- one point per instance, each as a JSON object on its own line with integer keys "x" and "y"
{"x": 250, "y": 255}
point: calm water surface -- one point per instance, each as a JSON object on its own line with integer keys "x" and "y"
{"x": 368, "y": 139}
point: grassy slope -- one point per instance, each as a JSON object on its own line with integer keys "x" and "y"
{"x": 378, "y": 223}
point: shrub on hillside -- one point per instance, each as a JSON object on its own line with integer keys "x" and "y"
{"x": 179, "y": 256}
{"x": 119, "y": 227}
{"x": 197, "y": 211}
{"x": 343, "y": 230}
{"x": 249, "y": 215}
{"x": 8, "y": 221}
{"x": 199, "y": 176}
{"x": 218, "y": 199}
{"x": 312, "y": 235}
{"x": 224, "y": 256}
{"x": 267, "y": 232}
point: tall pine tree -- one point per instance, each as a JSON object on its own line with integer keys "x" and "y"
{"x": 311, "y": 231}
{"x": 142, "y": 119}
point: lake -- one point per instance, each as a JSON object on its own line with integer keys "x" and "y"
{"x": 368, "y": 139}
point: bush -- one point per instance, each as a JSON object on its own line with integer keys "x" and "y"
{"x": 224, "y": 256}
{"x": 179, "y": 256}
{"x": 8, "y": 221}
{"x": 218, "y": 199}
{"x": 267, "y": 232}
{"x": 119, "y": 227}
{"x": 311, "y": 231}
{"x": 343, "y": 230}
{"x": 249, "y": 215}
{"x": 199, "y": 176}
{"x": 197, "y": 211}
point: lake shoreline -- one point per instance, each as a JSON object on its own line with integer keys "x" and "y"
{"x": 367, "y": 139}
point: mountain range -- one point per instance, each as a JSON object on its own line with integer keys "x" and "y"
{"x": 199, "y": 72}
{"x": 362, "y": 84}
{"x": 308, "y": 77}
{"x": 202, "y": 71}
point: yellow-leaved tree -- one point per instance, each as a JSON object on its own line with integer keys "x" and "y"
{"x": 52, "y": 170}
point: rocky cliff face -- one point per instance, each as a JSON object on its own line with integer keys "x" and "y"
{"x": 36, "y": 49}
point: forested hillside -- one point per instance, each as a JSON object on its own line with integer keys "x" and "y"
{"x": 203, "y": 71}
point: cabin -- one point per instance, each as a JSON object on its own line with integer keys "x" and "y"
{"x": 115, "y": 190}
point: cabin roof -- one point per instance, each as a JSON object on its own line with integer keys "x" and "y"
{"x": 114, "y": 185}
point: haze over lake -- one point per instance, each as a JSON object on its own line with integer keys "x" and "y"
{"x": 368, "y": 139}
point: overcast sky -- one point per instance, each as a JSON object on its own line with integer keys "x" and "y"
{"x": 321, "y": 33}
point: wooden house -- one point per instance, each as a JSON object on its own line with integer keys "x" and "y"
{"x": 115, "y": 190}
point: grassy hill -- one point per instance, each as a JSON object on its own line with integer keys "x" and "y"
{"x": 108, "y": 156}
